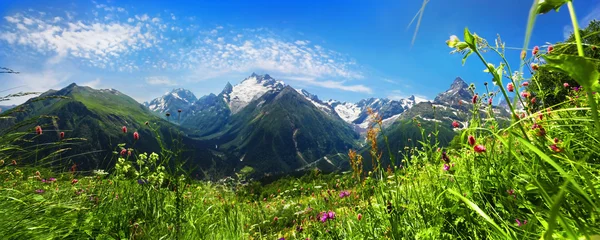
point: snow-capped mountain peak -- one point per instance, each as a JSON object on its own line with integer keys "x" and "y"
{"x": 176, "y": 98}
{"x": 251, "y": 88}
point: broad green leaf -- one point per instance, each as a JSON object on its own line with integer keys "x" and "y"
{"x": 470, "y": 39}
{"x": 581, "y": 69}
{"x": 545, "y": 6}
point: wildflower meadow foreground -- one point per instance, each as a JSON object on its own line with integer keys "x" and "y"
{"x": 532, "y": 175}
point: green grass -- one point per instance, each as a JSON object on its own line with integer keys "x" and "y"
{"x": 539, "y": 177}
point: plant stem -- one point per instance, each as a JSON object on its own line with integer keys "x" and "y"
{"x": 575, "y": 28}
{"x": 590, "y": 95}
{"x": 512, "y": 109}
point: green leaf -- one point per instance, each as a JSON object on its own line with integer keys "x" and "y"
{"x": 469, "y": 39}
{"x": 545, "y": 6}
{"x": 581, "y": 69}
{"x": 479, "y": 211}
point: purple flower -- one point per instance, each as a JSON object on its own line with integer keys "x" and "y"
{"x": 446, "y": 167}
{"x": 40, "y": 191}
{"x": 324, "y": 217}
{"x": 344, "y": 194}
{"x": 44, "y": 180}
{"x": 52, "y": 179}
{"x": 519, "y": 223}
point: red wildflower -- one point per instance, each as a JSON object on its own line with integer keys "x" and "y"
{"x": 566, "y": 85}
{"x": 555, "y": 148}
{"x": 275, "y": 219}
{"x": 535, "y": 66}
{"x": 123, "y": 152}
{"x": 471, "y": 140}
{"x": 525, "y": 84}
{"x": 129, "y": 153}
{"x": 62, "y": 135}
{"x": 124, "y": 129}
{"x": 490, "y": 101}
{"x": 533, "y": 100}
{"x": 38, "y": 130}
{"x": 74, "y": 181}
{"x": 136, "y": 136}
{"x": 455, "y": 124}
{"x": 525, "y": 94}
{"x": 479, "y": 148}
{"x": 550, "y": 48}
{"x": 475, "y": 99}
{"x": 359, "y": 216}
{"x": 556, "y": 140}
{"x": 535, "y": 51}
{"x": 510, "y": 87}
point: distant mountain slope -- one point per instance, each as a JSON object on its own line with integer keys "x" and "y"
{"x": 97, "y": 116}
{"x": 283, "y": 131}
{"x": 4, "y": 108}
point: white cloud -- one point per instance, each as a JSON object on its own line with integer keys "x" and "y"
{"x": 11, "y": 19}
{"x": 301, "y": 42}
{"x": 332, "y": 84}
{"x": 30, "y": 81}
{"x": 268, "y": 52}
{"x": 115, "y": 41}
{"x": 100, "y": 44}
{"x": 93, "y": 84}
{"x": 142, "y": 18}
{"x": 399, "y": 95}
{"x": 160, "y": 80}
{"x": 387, "y": 80}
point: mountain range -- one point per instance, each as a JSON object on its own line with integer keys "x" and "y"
{"x": 260, "y": 122}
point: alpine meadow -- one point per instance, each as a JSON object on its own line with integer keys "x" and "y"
{"x": 313, "y": 119}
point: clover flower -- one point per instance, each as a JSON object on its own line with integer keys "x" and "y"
{"x": 479, "y": 148}
{"x": 38, "y": 130}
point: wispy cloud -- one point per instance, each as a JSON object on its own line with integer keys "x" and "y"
{"x": 119, "y": 39}
{"x": 243, "y": 51}
{"x": 160, "y": 80}
{"x": 99, "y": 44}
{"x": 399, "y": 94}
{"x": 340, "y": 85}
{"x": 93, "y": 84}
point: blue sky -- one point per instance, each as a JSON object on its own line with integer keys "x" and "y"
{"x": 344, "y": 50}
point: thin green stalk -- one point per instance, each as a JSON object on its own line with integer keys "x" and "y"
{"x": 512, "y": 109}
{"x": 590, "y": 95}
{"x": 509, "y": 74}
